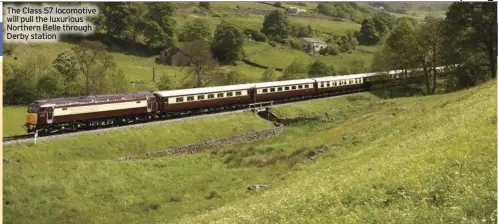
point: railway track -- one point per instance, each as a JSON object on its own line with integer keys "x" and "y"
{"x": 30, "y": 137}
{"x": 17, "y": 137}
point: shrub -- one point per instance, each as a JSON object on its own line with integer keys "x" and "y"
{"x": 295, "y": 45}
{"x": 256, "y": 35}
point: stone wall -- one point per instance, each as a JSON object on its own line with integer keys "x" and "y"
{"x": 220, "y": 143}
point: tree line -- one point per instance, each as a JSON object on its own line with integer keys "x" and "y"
{"x": 467, "y": 36}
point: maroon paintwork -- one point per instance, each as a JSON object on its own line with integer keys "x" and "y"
{"x": 44, "y": 108}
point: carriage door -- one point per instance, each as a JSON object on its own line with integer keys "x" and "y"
{"x": 50, "y": 115}
{"x": 154, "y": 104}
{"x": 149, "y": 105}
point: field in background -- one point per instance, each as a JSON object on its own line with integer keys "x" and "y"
{"x": 430, "y": 158}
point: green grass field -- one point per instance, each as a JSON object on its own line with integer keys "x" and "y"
{"x": 13, "y": 120}
{"x": 428, "y": 159}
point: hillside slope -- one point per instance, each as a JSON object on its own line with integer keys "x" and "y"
{"x": 427, "y": 160}
{"x": 420, "y": 159}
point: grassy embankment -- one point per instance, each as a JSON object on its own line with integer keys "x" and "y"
{"x": 422, "y": 159}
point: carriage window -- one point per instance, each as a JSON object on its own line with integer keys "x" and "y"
{"x": 200, "y": 97}
{"x": 179, "y": 99}
{"x": 286, "y": 88}
{"x": 190, "y": 98}
{"x": 322, "y": 85}
{"x": 279, "y": 89}
{"x": 265, "y": 90}
{"x": 306, "y": 86}
{"x": 352, "y": 81}
{"x": 238, "y": 93}
{"x": 272, "y": 90}
{"x": 220, "y": 95}
{"x": 229, "y": 94}
{"x": 138, "y": 101}
{"x": 210, "y": 96}
{"x": 328, "y": 84}
{"x": 293, "y": 87}
{"x": 300, "y": 86}
{"x": 65, "y": 108}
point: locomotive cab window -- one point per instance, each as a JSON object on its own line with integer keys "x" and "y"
{"x": 219, "y": 95}
{"x": 200, "y": 97}
{"x": 179, "y": 99}
{"x": 190, "y": 98}
{"x": 210, "y": 96}
{"x": 230, "y": 94}
{"x": 238, "y": 93}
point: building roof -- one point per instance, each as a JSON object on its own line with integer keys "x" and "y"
{"x": 204, "y": 90}
{"x": 314, "y": 40}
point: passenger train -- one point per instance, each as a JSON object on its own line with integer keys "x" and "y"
{"x": 55, "y": 115}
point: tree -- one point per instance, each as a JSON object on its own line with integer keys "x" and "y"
{"x": 164, "y": 83}
{"x": 119, "y": 20}
{"x": 275, "y": 24}
{"x": 228, "y": 43}
{"x": 428, "y": 49}
{"x": 19, "y": 86}
{"x": 295, "y": 70}
{"x": 472, "y": 29}
{"x": 95, "y": 64}
{"x": 228, "y": 77}
{"x": 117, "y": 81}
{"x": 400, "y": 46}
{"x": 203, "y": 67}
{"x": 319, "y": 69}
{"x": 268, "y": 75}
{"x": 67, "y": 65}
{"x": 160, "y": 25}
{"x": 47, "y": 86}
{"x": 198, "y": 29}
{"x": 374, "y": 29}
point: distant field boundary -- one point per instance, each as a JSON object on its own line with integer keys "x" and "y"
{"x": 259, "y": 66}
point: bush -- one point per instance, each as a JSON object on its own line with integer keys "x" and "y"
{"x": 278, "y": 4}
{"x": 256, "y": 35}
{"x": 331, "y": 49}
{"x": 296, "y": 45}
